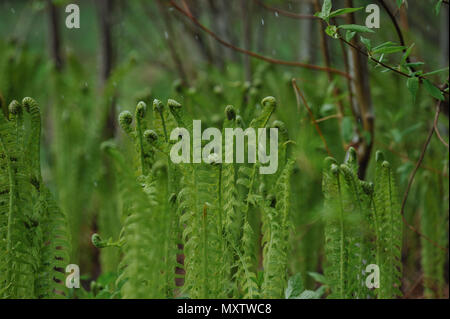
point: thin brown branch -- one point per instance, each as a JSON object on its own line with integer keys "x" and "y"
{"x": 410, "y": 182}
{"x": 186, "y": 7}
{"x": 413, "y": 287}
{"x": 251, "y": 53}
{"x": 406, "y": 158}
{"x": 334, "y": 116}
{"x": 300, "y": 95}
{"x": 435, "y": 124}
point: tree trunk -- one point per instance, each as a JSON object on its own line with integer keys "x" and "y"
{"x": 218, "y": 25}
{"x": 444, "y": 49}
{"x": 197, "y": 36}
{"x": 306, "y": 52}
{"x": 106, "y": 47}
{"x": 362, "y": 100}
{"x": 246, "y": 37}
{"x": 107, "y": 56}
{"x": 106, "y": 60}
{"x": 170, "y": 40}
{"x": 444, "y": 35}
{"x": 54, "y": 35}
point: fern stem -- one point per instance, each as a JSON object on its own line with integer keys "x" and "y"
{"x": 341, "y": 240}
{"x": 163, "y": 121}
{"x": 141, "y": 145}
{"x": 205, "y": 254}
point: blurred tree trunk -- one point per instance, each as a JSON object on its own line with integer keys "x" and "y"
{"x": 219, "y": 27}
{"x": 246, "y": 36}
{"x": 444, "y": 35}
{"x": 444, "y": 50}
{"x": 306, "y": 52}
{"x": 404, "y": 18}
{"x": 54, "y": 43}
{"x": 362, "y": 100}
{"x": 198, "y": 39}
{"x": 170, "y": 40}
{"x": 105, "y": 10}
{"x": 260, "y": 31}
{"x": 54, "y": 35}
{"x": 324, "y": 41}
{"x": 227, "y": 11}
{"x": 107, "y": 56}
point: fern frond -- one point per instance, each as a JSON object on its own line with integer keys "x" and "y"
{"x": 33, "y": 147}
{"x": 203, "y": 240}
{"x": 229, "y": 192}
{"x": 276, "y": 237}
{"x": 17, "y": 259}
{"x": 363, "y": 226}
{"x": 246, "y": 274}
{"x": 390, "y": 225}
{"x": 335, "y": 268}
{"x": 33, "y": 244}
{"x": 142, "y": 263}
{"x": 433, "y": 216}
{"x": 55, "y": 249}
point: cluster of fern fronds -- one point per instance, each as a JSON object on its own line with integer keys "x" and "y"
{"x": 363, "y": 228}
{"x": 34, "y": 247}
{"x": 206, "y": 230}
{"x": 209, "y": 230}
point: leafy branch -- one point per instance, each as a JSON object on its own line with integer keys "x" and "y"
{"x": 377, "y": 54}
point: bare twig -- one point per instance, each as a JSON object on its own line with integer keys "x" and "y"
{"x": 186, "y": 7}
{"x": 435, "y": 124}
{"x": 406, "y": 158}
{"x": 410, "y": 182}
{"x": 254, "y": 54}
{"x": 334, "y": 116}
{"x": 298, "y": 94}
{"x": 414, "y": 286}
